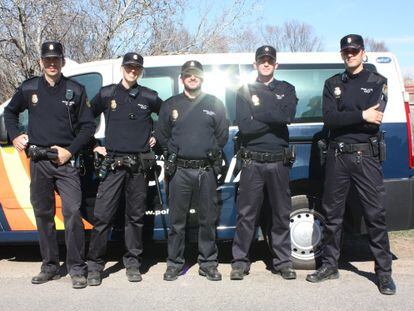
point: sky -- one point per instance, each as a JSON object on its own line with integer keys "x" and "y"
{"x": 388, "y": 21}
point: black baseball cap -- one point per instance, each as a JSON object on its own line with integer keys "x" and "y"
{"x": 51, "y": 49}
{"x": 266, "y": 50}
{"x": 133, "y": 59}
{"x": 192, "y": 67}
{"x": 352, "y": 41}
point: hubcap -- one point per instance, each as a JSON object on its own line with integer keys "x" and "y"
{"x": 306, "y": 232}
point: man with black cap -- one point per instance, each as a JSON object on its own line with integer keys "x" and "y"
{"x": 353, "y": 106}
{"x": 263, "y": 111}
{"x": 60, "y": 124}
{"x": 192, "y": 129}
{"x": 127, "y": 109}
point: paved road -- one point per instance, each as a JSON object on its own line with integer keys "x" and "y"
{"x": 261, "y": 290}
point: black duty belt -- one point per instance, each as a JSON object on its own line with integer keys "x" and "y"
{"x": 193, "y": 163}
{"x": 342, "y": 147}
{"x": 262, "y": 156}
{"x": 127, "y": 160}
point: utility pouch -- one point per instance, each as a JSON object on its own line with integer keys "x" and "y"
{"x": 374, "y": 143}
{"x": 147, "y": 160}
{"x": 170, "y": 165}
{"x": 323, "y": 150}
{"x": 382, "y": 147}
{"x": 289, "y": 156}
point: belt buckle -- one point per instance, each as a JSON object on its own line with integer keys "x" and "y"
{"x": 267, "y": 157}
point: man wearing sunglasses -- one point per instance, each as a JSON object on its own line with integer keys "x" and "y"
{"x": 192, "y": 129}
{"x": 353, "y": 107}
{"x": 263, "y": 111}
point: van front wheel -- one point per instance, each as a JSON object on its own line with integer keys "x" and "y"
{"x": 306, "y": 233}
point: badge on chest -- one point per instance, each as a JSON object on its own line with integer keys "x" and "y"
{"x": 174, "y": 115}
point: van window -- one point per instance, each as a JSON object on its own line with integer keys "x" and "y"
{"x": 309, "y": 80}
{"x": 219, "y": 80}
{"x": 91, "y": 81}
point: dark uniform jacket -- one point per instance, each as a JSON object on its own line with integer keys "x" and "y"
{"x": 345, "y": 96}
{"x": 54, "y": 118}
{"x": 262, "y": 114}
{"x": 127, "y": 115}
{"x": 191, "y": 128}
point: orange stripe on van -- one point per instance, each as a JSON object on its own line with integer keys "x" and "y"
{"x": 16, "y": 217}
{"x": 25, "y": 161}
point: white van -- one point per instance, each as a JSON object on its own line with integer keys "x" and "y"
{"x": 224, "y": 74}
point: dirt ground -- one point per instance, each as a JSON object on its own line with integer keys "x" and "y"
{"x": 402, "y": 243}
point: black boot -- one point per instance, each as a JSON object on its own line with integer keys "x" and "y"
{"x": 43, "y": 277}
{"x": 78, "y": 281}
{"x": 172, "y": 273}
{"x": 211, "y": 273}
{"x": 94, "y": 278}
{"x": 237, "y": 274}
{"x": 286, "y": 273}
{"x": 386, "y": 285}
{"x": 133, "y": 275}
{"x": 322, "y": 274}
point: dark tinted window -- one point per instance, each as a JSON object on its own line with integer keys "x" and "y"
{"x": 91, "y": 81}
{"x": 309, "y": 80}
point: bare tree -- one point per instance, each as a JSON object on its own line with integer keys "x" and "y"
{"x": 23, "y": 26}
{"x": 210, "y": 33}
{"x": 299, "y": 37}
{"x": 373, "y": 45}
{"x": 97, "y": 29}
{"x": 292, "y": 36}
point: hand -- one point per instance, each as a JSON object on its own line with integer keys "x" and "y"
{"x": 20, "y": 142}
{"x": 372, "y": 115}
{"x": 100, "y": 150}
{"x": 152, "y": 141}
{"x": 64, "y": 155}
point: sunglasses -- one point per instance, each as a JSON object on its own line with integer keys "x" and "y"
{"x": 269, "y": 60}
{"x": 351, "y": 51}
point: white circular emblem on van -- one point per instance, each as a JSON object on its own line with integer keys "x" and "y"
{"x": 337, "y": 91}
{"x": 255, "y": 100}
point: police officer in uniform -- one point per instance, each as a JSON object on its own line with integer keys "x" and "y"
{"x": 353, "y": 106}
{"x": 193, "y": 129}
{"x": 60, "y": 124}
{"x": 263, "y": 110}
{"x": 127, "y": 109}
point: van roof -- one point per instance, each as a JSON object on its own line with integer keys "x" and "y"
{"x": 243, "y": 58}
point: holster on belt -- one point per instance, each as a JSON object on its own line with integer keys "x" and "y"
{"x": 289, "y": 155}
{"x": 148, "y": 161}
{"x": 323, "y": 150}
{"x": 379, "y": 148}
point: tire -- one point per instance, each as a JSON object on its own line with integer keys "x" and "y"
{"x": 306, "y": 233}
